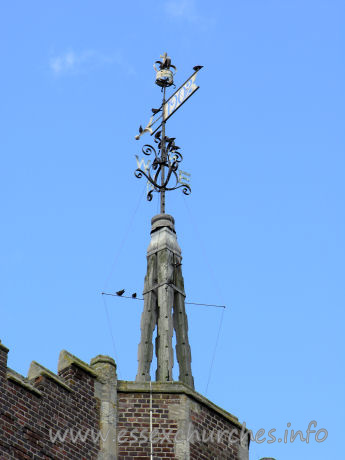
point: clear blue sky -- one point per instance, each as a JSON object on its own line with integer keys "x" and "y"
{"x": 262, "y": 232}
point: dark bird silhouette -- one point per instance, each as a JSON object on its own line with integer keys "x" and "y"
{"x": 134, "y": 295}
{"x": 120, "y": 293}
{"x": 154, "y": 111}
{"x": 198, "y": 67}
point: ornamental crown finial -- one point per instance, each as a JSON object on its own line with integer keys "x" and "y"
{"x": 164, "y": 75}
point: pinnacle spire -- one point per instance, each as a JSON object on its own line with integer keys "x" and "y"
{"x": 164, "y": 307}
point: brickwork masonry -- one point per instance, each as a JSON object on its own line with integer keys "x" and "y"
{"x": 34, "y": 408}
{"x": 84, "y": 412}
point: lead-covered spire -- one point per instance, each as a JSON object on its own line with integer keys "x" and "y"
{"x": 164, "y": 307}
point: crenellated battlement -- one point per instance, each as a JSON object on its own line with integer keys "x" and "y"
{"x": 34, "y": 409}
{"x": 68, "y": 365}
{"x": 84, "y": 412}
{"x": 20, "y": 380}
{"x": 37, "y": 370}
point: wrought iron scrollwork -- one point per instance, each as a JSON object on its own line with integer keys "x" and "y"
{"x": 167, "y": 156}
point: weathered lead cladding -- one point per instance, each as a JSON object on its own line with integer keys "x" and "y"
{"x": 164, "y": 307}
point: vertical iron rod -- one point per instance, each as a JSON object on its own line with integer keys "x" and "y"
{"x": 151, "y": 443}
{"x": 163, "y": 157}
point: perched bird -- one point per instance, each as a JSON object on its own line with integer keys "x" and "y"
{"x": 147, "y": 129}
{"x": 134, "y": 295}
{"x": 120, "y": 293}
{"x": 154, "y": 111}
{"x": 170, "y": 141}
{"x": 198, "y": 67}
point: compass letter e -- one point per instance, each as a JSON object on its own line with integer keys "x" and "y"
{"x": 183, "y": 177}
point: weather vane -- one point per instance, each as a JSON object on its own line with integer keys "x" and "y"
{"x": 166, "y": 154}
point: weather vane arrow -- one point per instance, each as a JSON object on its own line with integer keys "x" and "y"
{"x": 166, "y": 155}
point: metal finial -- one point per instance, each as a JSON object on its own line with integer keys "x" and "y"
{"x": 167, "y": 154}
{"x": 171, "y": 160}
{"x": 164, "y": 76}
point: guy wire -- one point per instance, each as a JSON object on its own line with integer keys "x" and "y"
{"x": 125, "y": 236}
{"x": 216, "y": 285}
{"x": 110, "y": 330}
{"x": 141, "y": 298}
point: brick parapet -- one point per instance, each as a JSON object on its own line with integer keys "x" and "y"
{"x": 89, "y": 398}
{"x": 173, "y": 388}
{"x": 33, "y": 410}
{"x": 3, "y": 363}
{"x": 185, "y": 425}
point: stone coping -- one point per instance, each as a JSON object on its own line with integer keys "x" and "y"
{"x": 2, "y": 347}
{"x": 37, "y": 370}
{"x": 17, "y": 378}
{"x": 124, "y": 386}
{"x": 66, "y": 359}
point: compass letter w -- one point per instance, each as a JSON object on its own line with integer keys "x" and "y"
{"x": 142, "y": 162}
